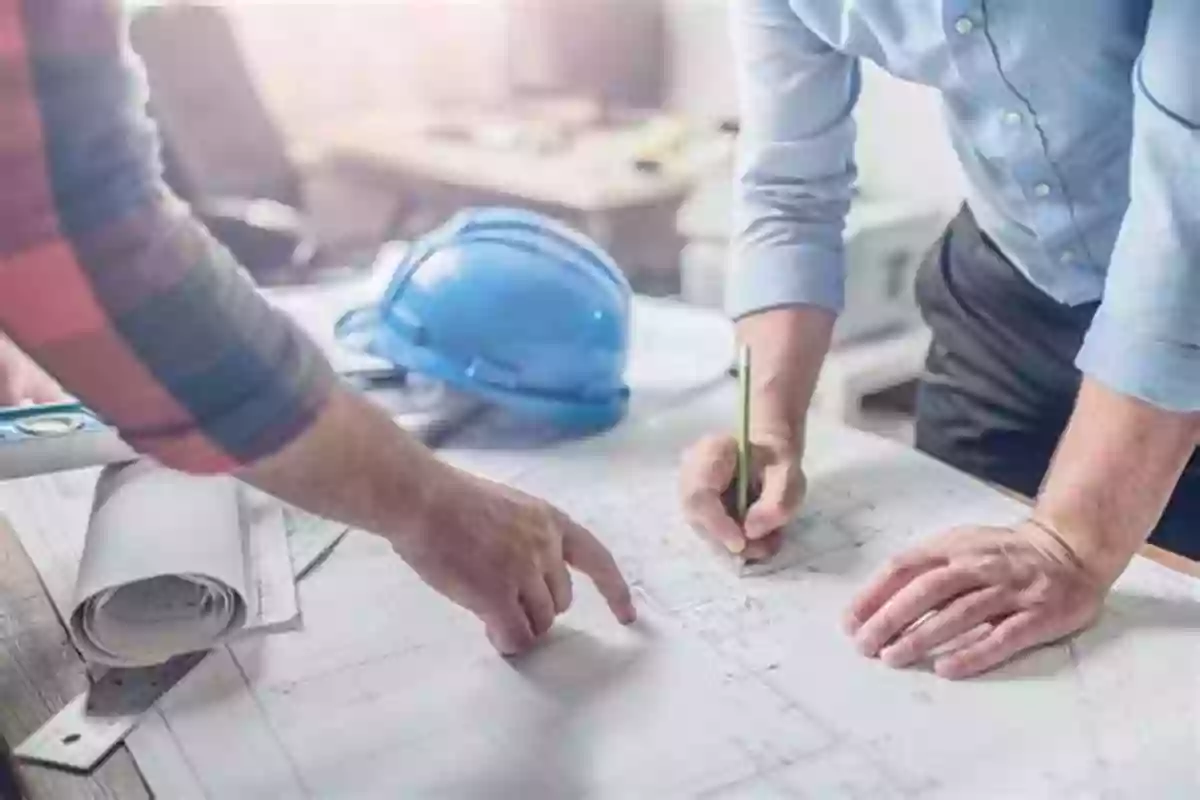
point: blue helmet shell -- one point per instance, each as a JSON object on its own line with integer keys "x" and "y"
{"x": 513, "y": 307}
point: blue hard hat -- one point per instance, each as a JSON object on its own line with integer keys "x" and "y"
{"x": 510, "y": 306}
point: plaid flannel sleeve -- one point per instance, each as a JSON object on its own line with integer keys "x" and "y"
{"x": 105, "y": 278}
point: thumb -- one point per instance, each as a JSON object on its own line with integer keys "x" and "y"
{"x": 782, "y": 488}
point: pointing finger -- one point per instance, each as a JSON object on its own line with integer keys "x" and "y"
{"x": 585, "y": 553}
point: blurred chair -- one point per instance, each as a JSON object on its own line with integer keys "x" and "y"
{"x": 223, "y": 152}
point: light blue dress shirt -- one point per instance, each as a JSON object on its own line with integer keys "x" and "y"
{"x": 1077, "y": 123}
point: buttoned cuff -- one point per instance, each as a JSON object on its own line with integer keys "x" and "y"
{"x": 761, "y": 279}
{"x": 1163, "y": 373}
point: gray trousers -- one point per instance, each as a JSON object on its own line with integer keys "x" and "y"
{"x": 1000, "y": 376}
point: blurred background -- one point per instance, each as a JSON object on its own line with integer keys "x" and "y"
{"x": 306, "y": 134}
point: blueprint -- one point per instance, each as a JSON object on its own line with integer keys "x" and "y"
{"x": 729, "y": 686}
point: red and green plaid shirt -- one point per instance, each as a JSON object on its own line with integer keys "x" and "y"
{"x": 107, "y": 281}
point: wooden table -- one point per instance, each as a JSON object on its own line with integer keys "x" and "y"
{"x": 40, "y": 671}
{"x": 590, "y": 180}
{"x": 592, "y": 170}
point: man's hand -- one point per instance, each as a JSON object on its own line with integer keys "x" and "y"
{"x": 1000, "y": 591}
{"x": 708, "y": 472}
{"x": 504, "y": 556}
{"x": 498, "y": 552}
{"x": 22, "y": 381}
{"x": 788, "y": 346}
{"x": 973, "y": 598}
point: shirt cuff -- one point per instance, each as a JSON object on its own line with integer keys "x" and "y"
{"x": 1163, "y": 373}
{"x": 785, "y": 276}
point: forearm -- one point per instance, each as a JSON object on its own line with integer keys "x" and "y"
{"x": 789, "y": 345}
{"x": 109, "y": 284}
{"x": 1111, "y": 477}
{"x": 355, "y": 465}
{"x": 794, "y": 183}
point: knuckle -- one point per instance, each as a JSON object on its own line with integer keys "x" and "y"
{"x": 516, "y": 629}
{"x": 906, "y": 650}
{"x": 548, "y": 519}
{"x": 775, "y": 514}
{"x": 713, "y": 442}
{"x": 702, "y": 451}
{"x": 1004, "y": 638}
{"x": 695, "y": 497}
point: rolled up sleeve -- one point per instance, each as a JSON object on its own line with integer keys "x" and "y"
{"x": 105, "y": 278}
{"x": 1145, "y": 337}
{"x": 795, "y": 170}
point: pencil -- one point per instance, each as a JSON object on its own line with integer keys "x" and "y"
{"x": 743, "y": 433}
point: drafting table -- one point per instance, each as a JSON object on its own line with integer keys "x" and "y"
{"x": 729, "y": 687}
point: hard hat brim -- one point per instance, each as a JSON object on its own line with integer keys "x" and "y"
{"x": 364, "y": 330}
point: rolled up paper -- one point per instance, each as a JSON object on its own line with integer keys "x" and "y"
{"x": 172, "y": 565}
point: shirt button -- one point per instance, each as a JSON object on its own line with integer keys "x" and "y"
{"x": 1041, "y": 190}
{"x": 1013, "y": 118}
{"x": 964, "y": 25}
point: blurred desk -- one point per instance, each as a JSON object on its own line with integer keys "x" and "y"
{"x": 589, "y": 176}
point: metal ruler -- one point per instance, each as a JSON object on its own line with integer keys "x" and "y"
{"x": 38, "y": 439}
{"x": 91, "y": 726}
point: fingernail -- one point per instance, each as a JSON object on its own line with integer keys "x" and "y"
{"x": 893, "y": 657}
{"x": 754, "y": 528}
{"x": 736, "y": 546}
{"x": 865, "y": 646}
{"x": 944, "y": 668}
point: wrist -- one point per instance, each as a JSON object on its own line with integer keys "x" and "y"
{"x": 433, "y": 485}
{"x": 1112, "y": 474}
{"x": 779, "y": 432}
{"x": 1102, "y": 552}
{"x": 788, "y": 345}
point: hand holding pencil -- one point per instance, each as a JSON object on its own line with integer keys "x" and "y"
{"x": 741, "y": 489}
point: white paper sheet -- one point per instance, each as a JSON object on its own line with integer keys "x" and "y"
{"x": 177, "y": 563}
{"x": 730, "y": 687}
{"x": 52, "y": 516}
